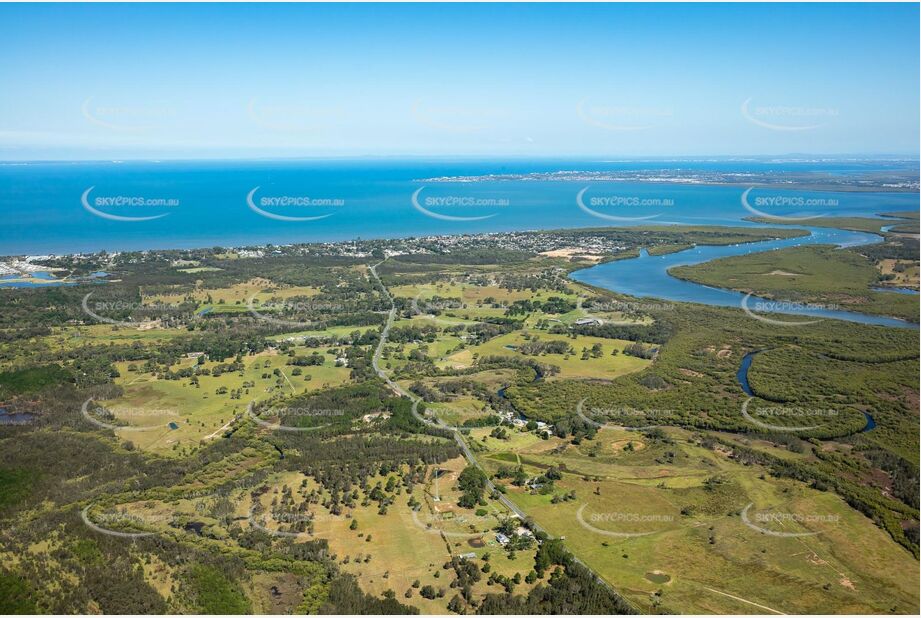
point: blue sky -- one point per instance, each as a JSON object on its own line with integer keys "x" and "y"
{"x": 181, "y": 81}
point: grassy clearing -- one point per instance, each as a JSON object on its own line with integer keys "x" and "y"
{"x": 686, "y": 518}
{"x": 605, "y": 366}
{"x": 199, "y": 412}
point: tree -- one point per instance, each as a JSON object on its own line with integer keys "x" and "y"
{"x": 472, "y": 481}
{"x": 456, "y": 604}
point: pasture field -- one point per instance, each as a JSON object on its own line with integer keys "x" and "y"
{"x": 331, "y": 332}
{"x": 234, "y": 295}
{"x": 470, "y": 294}
{"x": 604, "y": 367}
{"x": 639, "y": 524}
{"x": 200, "y": 412}
{"x": 403, "y": 549}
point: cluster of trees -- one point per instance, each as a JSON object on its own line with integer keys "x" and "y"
{"x": 659, "y": 331}
{"x": 536, "y": 347}
{"x": 472, "y": 482}
{"x": 571, "y": 589}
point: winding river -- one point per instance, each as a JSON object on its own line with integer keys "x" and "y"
{"x": 647, "y": 276}
{"x": 742, "y": 377}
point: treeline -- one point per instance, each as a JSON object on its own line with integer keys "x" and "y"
{"x": 571, "y": 590}
{"x": 659, "y": 331}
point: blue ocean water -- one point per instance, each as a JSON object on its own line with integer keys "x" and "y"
{"x": 203, "y": 204}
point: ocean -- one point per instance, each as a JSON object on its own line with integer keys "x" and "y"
{"x": 117, "y": 206}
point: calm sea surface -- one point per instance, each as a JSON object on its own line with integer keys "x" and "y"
{"x": 205, "y": 203}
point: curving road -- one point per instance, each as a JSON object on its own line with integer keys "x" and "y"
{"x": 458, "y": 437}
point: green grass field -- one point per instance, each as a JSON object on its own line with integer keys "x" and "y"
{"x": 571, "y": 366}
{"x": 687, "y": 529}
{"x": 200, "y": 412}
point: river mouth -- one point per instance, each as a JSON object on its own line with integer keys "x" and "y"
{"x": 647, "y": 276}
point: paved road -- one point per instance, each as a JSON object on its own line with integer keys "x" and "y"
{"x": 458, "y": 437}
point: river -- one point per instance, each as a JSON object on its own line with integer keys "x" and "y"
{"x": 647, "y": 276}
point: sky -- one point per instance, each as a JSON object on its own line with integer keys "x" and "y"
{"x": 621, "y": 80}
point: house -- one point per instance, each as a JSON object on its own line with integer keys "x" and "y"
{"x": 588, "y": 322}
{"x": 469, "y": 555}
{"x": 502, "y": 539}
